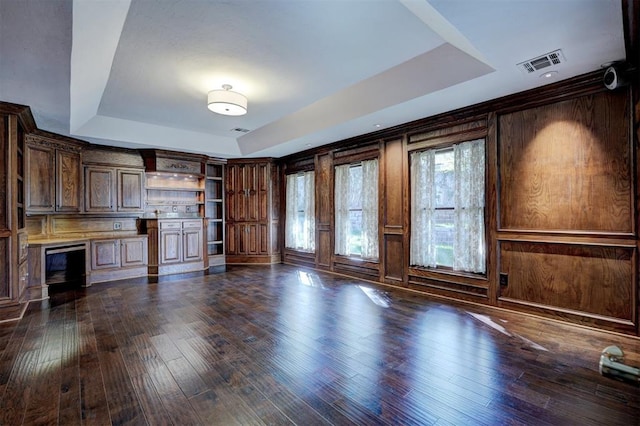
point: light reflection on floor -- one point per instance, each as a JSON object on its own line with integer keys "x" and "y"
{"x": 488, "y": 321}
{"x": 309, "y": 279}
{"x": 378, "y": 297}
{"x": 451, "y": 361}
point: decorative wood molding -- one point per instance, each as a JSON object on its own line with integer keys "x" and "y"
{"x": 112, "y": 156}
{"x": 23, "y": 112}
{"x": 58, "y": 141}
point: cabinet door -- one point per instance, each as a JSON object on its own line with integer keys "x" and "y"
{"x": 248, "y": 238}
{"x": 192, "y": 247}
{"x": 105, "y": 254}
{"x": 170, "y": 246}
{"x": 99, "y": 189}
{"x": 130, "y": 187}
{"x": 133, "y": 251}
{"x": 231, "y": 195}
{"x": 261, "y": 194}
{"x": 231, "y": 236}
{"x": 251, "y": 192}
{"x": 68, "y": 181}
{"x": 245, "y": 174}
{"x": 39, "y": 171}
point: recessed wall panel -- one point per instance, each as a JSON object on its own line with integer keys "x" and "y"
{"x": 567, "y": 166}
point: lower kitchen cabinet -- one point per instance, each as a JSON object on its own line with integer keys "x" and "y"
{"x": 118, "y": 258}
{"x": 175, "y": 245}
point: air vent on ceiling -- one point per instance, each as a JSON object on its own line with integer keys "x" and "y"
{"x": 240, "y": 129}
{"x": 551, "y": 59}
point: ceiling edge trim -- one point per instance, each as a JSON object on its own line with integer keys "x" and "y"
{"x": 156, "y": 136}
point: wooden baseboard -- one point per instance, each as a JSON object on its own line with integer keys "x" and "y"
{"x": 253, "y": 259}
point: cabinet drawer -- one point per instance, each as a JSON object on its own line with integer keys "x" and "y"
{"x": 170, "y": 225}
{"x": 191, "y": 224}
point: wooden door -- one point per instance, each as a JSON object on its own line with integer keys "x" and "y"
{"x": 68, "y": 181}
{"x": 231, "y": 236}
{"x": 231, "y": 187}
{"x": 170, "y": 246}
{"x": 40, "y": 166}
{"x": 260, "y": 204}
{"x": 130, "y": 187}
{"x": 133, "y": 252}
{"x": 248, "y": 238}
{"x": 99, "y": 189}
{"x": 192, "y": 244}
{"x": 105, "y": 254}
{"x": 252, "y": 172}
{"x": 243, "y": 191}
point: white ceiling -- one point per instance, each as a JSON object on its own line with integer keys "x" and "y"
{"x": 136, "y": 73}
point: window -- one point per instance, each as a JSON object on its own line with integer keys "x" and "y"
{"x": 447, "y": 207}
{"x": 300, "y": 231}
{"x": 356, "y": 209}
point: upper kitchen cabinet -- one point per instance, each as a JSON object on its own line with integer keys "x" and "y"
{"x": 114, "y": 181}
{"x": 53, "y": 173}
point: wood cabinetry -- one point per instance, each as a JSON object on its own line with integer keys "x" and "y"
{"x": 118, "y": 258}
{"x": 15, "y": 122}
{"x": 53, "y": 174}
{"x": 175, "y": 245}
{"x": 40, "y": 165}
{"x": 129, "y": 193}
{"x": 214, "y": 212}
{"x": 175, "y": 193}
{"x": 113, "y": 181}
{"x": 251, "y": 196}
{"x": 175, "y": 182}
{"x": 100, "y": 189}
{"x": 110, "y": 189}
{"x": 68, "y": 181}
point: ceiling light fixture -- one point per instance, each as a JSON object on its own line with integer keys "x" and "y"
{"x": 226, "y": 102}
{"x": 549, "y": 74}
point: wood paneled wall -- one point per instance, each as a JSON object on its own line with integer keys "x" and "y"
{"x": 567, "y": 166}
{"x": 567, "y": 240}
{"x": 560, "y": 212}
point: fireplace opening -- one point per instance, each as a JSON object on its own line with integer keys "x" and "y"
{"x": 66, "y": 265}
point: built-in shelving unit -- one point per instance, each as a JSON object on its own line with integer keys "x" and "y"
{"x": 214, "y": 212}
{"x": 175, "y": 193}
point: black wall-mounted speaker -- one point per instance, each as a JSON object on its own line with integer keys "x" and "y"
{"x": 615, "y": 76}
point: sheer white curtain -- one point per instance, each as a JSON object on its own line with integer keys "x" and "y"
{"x": 370, "y": 209}
{"x": 300, "y": 225}
{"x": 469, "y": 245}
{"x": 423, "y": 203}
{"x": 341, "y": 205}
{"x": 357, "y": 194}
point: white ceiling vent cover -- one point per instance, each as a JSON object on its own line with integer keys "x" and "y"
{"x": 548, "y": 60}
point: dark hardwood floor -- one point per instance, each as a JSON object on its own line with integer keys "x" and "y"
{"x": 284, "y": 345}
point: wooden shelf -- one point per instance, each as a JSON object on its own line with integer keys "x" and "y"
{"x": 178, "y": 189}
{"x": 174, "y": 203}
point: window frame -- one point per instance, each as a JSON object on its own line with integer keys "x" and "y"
{"x": 442, "y": 144}
{"x": 354, "y": 163}
{"x": 298, "y": 174}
